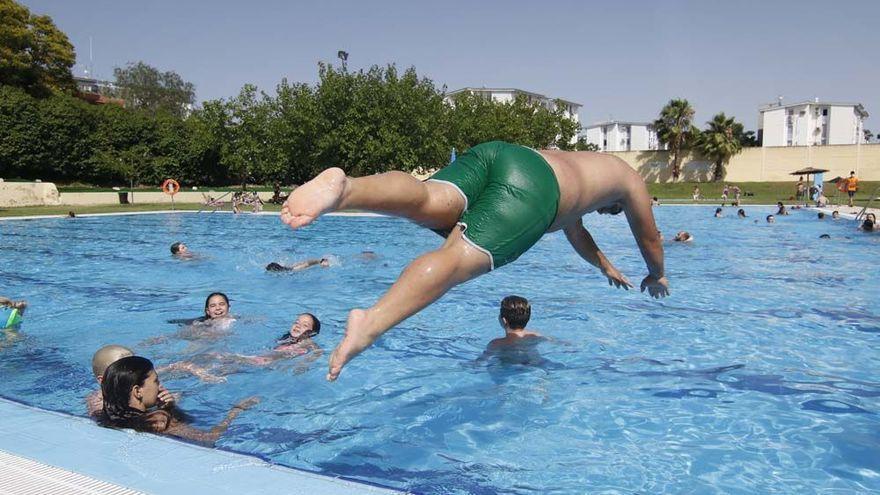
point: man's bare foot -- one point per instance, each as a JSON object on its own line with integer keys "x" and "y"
{"x": 314, "y": 198}
{"x": 356, "y": 339}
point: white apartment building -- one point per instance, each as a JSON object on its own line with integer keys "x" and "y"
{"x": 508, "y": 95}
{"x": 616, "y": 135}
{"x": 811, "y": 123}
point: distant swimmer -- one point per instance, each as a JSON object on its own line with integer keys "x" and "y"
{"x": 771, "y": 219}
{"x": 741, "y": 213}
{"x": 718, "y": 213}
{"x": 299, "y": 266}
{"x": 683, "y": 236}
{"x": 781, "y": 210}
{"x": 15, "y": 314}
{"x": 491, "y": 204}
{"x": 179, "y": 250}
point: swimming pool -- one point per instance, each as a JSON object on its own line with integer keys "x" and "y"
{"x": 758, "y": 374}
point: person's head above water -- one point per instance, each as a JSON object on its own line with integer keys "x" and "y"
{"x": 306, "y": 326}
{"x": 872, "y": 217}
{"x": 868, "y": 225}
{"x": 683, "y": 236}
{"x": 515, "y": 313}
{"x": 179, "y": 248}
{"x": 741, "y": 213}
{"x": 821, "y": 215}
{"x": 130, "y": 387}
{"x": 771, "y": 219}
{"x": 718, "y": 212}
{"x": 216, "y": 306}
{"x": 835, "y": 214}
{"x": 106, "y": 356}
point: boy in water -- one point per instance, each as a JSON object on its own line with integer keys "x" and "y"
{"x": 515, "y": 315}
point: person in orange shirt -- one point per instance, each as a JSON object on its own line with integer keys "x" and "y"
{"x": 852, "y": 185}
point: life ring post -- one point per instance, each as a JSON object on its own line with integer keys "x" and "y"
{"x": 171, "y": 187}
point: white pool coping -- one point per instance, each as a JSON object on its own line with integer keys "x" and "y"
{"x": 147, "y": 463}
{"x": 160, "y": 212}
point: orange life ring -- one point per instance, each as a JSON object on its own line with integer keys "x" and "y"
{"x": 170, "y": 187}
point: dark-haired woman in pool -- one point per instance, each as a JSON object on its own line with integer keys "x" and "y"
{"x": 131, "y": 393}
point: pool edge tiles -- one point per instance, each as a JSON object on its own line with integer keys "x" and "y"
{"x": 150, "y": 463}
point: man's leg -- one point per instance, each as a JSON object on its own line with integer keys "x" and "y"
{"x": 432, "y": 204}
{"x": 422, "y": 282}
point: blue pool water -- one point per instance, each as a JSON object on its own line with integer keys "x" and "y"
{"x": 758, "y": 375}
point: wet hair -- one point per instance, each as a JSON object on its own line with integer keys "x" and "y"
{"x": 119, "y": 378}
{"x": 175, "y": 248}
{"x": 824, "y": 236}
{"x": 208, "y": 300}
{"x": 276, "y": 267}
{"x": 516, "y": 310}
{"x": 741, "y": 212}
{"x": 718, "y": 210}
{"x": 769, "y": 217}
{"x": 868, "y": 224}
{"x": 821, "y": 215}
{"x": 287, "y": 339}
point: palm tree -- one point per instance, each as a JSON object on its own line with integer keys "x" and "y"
{"x": 720, "y": 141}
{"x": 676, "y": 130}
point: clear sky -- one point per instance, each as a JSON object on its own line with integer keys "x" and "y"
{"x": 619, "y": 59}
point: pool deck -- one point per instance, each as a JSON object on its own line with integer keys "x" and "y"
{"x": 86, "y": 458}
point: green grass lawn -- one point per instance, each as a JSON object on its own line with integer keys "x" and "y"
{"x": 763, "y": 193}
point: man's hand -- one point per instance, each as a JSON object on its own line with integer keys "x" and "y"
{"x": 615, "y": 278}
{"x": 657, "y": 287}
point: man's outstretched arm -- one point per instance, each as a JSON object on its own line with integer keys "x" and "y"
{"x": 586, "y": 247}
{"x": 641, "y": 222}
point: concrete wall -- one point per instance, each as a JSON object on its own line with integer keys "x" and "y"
{"x": 28, "y": 194}
{"x": 763, "y": 164}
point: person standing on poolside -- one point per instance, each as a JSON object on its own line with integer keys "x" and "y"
{"x": 852, "y": 186}
{"x": 492, "y": 204}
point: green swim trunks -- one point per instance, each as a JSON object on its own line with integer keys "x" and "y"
{"x": 511, "y": 196}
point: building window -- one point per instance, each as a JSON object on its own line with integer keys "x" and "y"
{"x": 824, "y": 112}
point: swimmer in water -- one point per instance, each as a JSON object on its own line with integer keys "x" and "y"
{"x": 179, "y": 250}
{"x": 741, "y": 213}
{"x": 293, "y": 343}
{"x": 683, "y": 236}
{"x": 297, "y": 267}
{"x": 17, "y": 309}
{"x": 215, "y": 323}
{"x": 771, "y": 219}
{"x": 132, "y": 398}
{"x": 718, "y": 213}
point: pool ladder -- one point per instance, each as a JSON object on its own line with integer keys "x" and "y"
{"x": 868, "y": 204}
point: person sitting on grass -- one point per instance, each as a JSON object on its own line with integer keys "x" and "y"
{"x": 683, "y": 236}
{"x": 299, "y": 266}
{"x": 132, "y": 399}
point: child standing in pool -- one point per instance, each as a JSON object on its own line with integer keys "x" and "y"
{"x": 515, "y": 314}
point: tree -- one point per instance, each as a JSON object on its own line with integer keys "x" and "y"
{"x": 748, "y": 139}
{"x": 583, "y": 145}
{"x": 868, "y": 135}
{"x": 34, "y": 54}
{"x": 721, "y": 141}
{"x": 146, "y": 88}
{"x": 676, "y": 130}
